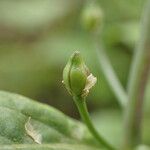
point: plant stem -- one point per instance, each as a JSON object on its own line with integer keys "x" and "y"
{"x": 137, "y": 83}
{"x": 81, "y": 105}
{"x": 109, "y": 73}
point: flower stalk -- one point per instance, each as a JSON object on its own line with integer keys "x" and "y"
{"x": 78, "y": 81}
{"x": 82, "y": 108}
{"x": 138, "y": 79}
{"x": 109, "y": 73}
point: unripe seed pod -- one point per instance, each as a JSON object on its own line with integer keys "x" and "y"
{"x": 91, "y": 17}
{"x": 75, "y": 76}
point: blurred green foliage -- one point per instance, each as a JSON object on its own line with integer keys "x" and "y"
{"x": 37, "y": 37}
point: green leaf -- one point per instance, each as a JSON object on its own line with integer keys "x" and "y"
{"x": 49, "y": 147}
{"x": 26, "y": 124}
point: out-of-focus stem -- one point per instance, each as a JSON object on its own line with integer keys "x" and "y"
{"x": 109, "y": 73}
{"x": 137, "y": 82}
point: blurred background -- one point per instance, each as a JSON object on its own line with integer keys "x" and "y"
{"x": 38, "y": 36}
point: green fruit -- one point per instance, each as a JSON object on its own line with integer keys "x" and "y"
{"x": 91, "y": 17}
{"x": 75, "y": 75}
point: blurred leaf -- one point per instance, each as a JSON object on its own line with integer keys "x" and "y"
{"x": 143, "y": 147}
{"x": 49, "y": 147}
{"x": 24, "y": 121}
{"x": 109, "y": 124}
{"x": 121, "y": 10}
{"x": 121, "y": 33}
{"x": 30, "y": 15}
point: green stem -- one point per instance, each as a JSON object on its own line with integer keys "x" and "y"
{"x": 109, "y": 73}
{"x": 81, "y": 105}
{"x": 137, "y": 83}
